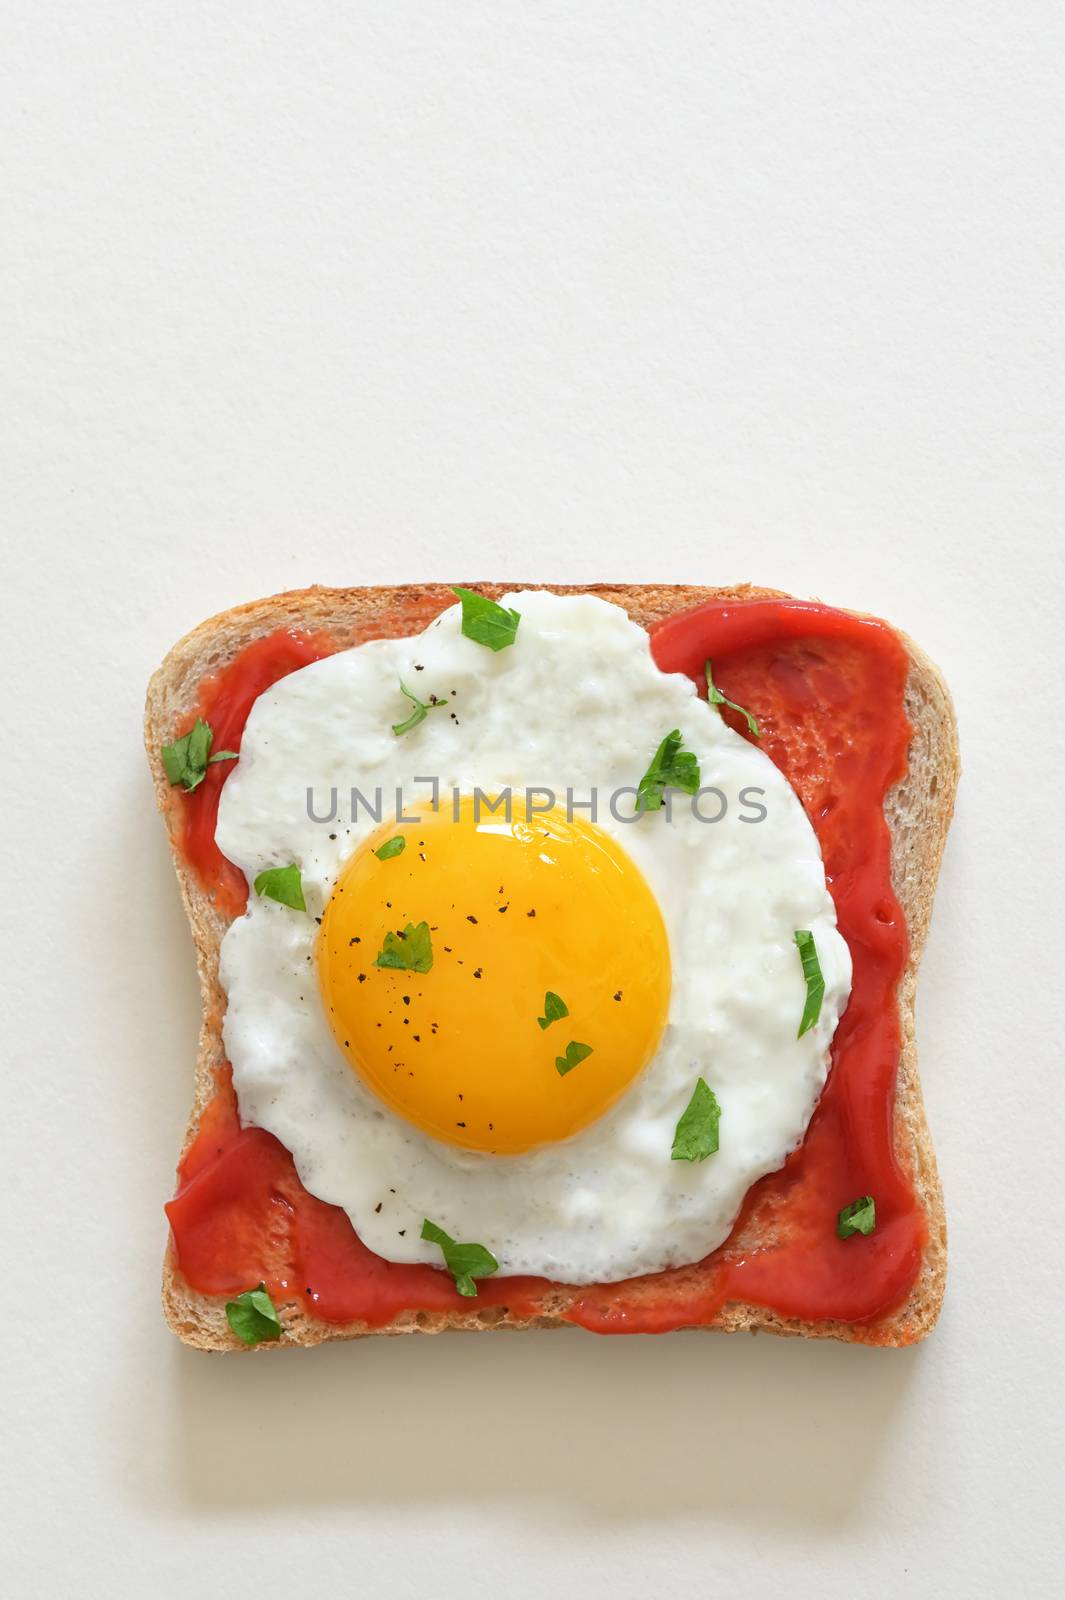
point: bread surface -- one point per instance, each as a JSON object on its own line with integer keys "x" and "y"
{"x": 918, "y": 812}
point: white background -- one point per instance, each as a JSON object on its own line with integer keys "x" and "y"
{"x": 370, "y": 292}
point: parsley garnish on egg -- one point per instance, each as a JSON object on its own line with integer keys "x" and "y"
{"x": 391, "y": 847}
{"x": 283, "y": 884}
{"x": 465, "y": 1262}
{"x": 420, "y": 710}
{"x": 554, "y": 1009}
{"x": 696, "y": 1135}
{"x": 409, "y": 951}
{"x": 671, "y": 768}
{"x": 485, "y": 621}
{"x": 575, "y": 1054}
{"x": 815, "y": 982}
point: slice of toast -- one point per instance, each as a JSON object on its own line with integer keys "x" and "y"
{"x": 918, "y": 812}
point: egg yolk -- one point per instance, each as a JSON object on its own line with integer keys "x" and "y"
{"x": 444, "y": 1021}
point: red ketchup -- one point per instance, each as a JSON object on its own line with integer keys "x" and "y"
{"x": 225, "y": 701}
{"x": 827, "y": 690}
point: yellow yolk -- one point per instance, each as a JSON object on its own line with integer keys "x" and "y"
{"x": 513, "y": 910}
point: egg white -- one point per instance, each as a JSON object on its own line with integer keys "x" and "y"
{"x": 577, "y": 701}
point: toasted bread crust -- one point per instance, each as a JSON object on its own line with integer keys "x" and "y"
{"x": 918, "y": 812}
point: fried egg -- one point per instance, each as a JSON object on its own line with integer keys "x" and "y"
{"x": 507, "y": 981}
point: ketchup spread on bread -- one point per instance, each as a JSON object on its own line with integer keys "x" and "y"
{"x": 225, "y": 701}
{"x": 827, "y": 689}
